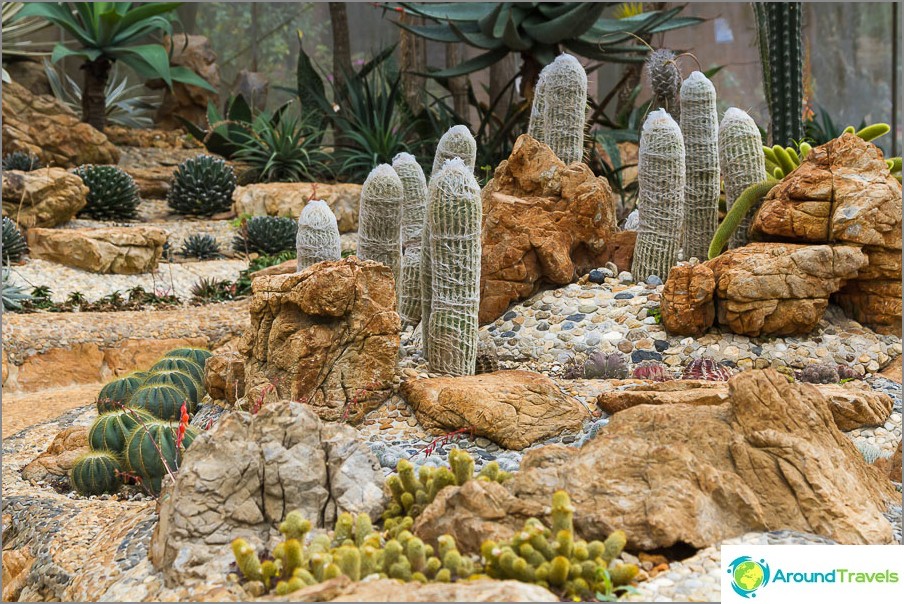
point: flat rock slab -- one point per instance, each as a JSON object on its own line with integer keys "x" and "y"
{"x": 120, "y": 250}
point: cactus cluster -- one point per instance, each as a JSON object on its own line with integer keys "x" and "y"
{"x": 819, "y": 373}
{"x": 202, "y": 186}
{"x": 605, "y": 366}
{"x": 653, "y": 371}
{"x": 22, "y": 161}
{"x": 13, "y": 245}
{"x": 559, "y": 109}
{"x": 379, "y": 216}
{"x": 707, "y": 369}
{"x": 665, "y": 80}
{"x": 411, "y": 230}
{"x": 269, "y": 235}
{"x": 317, "y": 238}
{"x": 112, "y": 194}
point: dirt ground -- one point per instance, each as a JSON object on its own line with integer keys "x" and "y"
{"x": 30, "y": 408}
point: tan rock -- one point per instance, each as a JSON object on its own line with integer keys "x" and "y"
{"x": 183, "y": 100}
{"x": 60, "y": 456}
{"x": 876, "y": 304}
{"x": 42, "y": 198}
{"x": 512, "y": 408}
{"x": 543, "y": 221}
{"x": 30, "y": 74}
{"x": 224, "y": 376}
{"x": 138, "y": 354}
{"x": 152, "y": 167}
{"x": 17, "y": 565}
{"x": 288, "y": 199}
{"x": 5, "y": 366}
{"x": 328, "y": 336}
{"x": 884, "y": 264}
{"x": 390, "y": 590}
{"x": 42, "y": 125}
{"x": 79, "y": 364}
{"x": 855, "y": 405}
{"x": 120, "y": 250}
{"x": 284, "y": 268}
{"x": 148, "y": 138}
{"x": 687, "y": 300}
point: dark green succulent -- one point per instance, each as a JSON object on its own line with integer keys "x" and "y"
{"x": 112, "y": 194}
{"x": 211, "y": 289}
{"x": 20, "y": 160}
{"x": 202, "y": 247}
{"x": 14, "y": 246}
{"x": 266, "y": 235}
{"x": 202, "y": 186}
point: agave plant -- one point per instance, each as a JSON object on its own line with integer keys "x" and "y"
{"x": 13, "y": 295}
{"x": 283, "y": 150}
{"x": 17, "y": 35}
{"x": 14, "y": 245}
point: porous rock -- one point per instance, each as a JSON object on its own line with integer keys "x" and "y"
{"x": 120, "y": 250}
{"x": 46, "y": 197}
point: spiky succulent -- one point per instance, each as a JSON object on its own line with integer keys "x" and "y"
{"x": 112, "y": 194}
{"x": 706, "y": 369}
{"x": 606, "y": 366}
{"x": 202, "y": 247}
{"x": 202, "y": 186}
{"x": 653, "y": 371}
{"x": 820, "y": 373}
{"x": 487, "y": 356}
{"x": 13, "y": 294}
{"x": 20, "y": 160}
{"x": 266, "y": 235}
{"x": 14, "y": 246}
{"x": 665, "y": 79}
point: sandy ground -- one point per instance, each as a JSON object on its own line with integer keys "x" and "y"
{"x": 21, "y": 410}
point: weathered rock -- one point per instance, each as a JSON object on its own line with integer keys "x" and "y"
{"x": 54, "y": 463}
{"x": 42, "y": 198}
{"x": 224, "y": 376}
{"x": 543, "y": 221}
{"x": 771, "y": 457}
{"x": 42, "y": 125}
{"x": 854, "y": 405}
{"x": 243, "y": 477}
{"x": 873, "y": 303}
{"x": 149, "y": 138}
{"x": 687, "y": 300}
{"x": 327, "y": 336}
{"x": 390, "y": 590}
{"x": 138, "y": 354}
{"x": 17, "y": 565}
{"x": 183, "y": 100}
{"x": 283, "y": 268}
{"x": 29, "y": 74}
{"x": 289, "y": 198}
{"x": 512, "y": 408}
{"x": 120, "y": 250}
{"x": 80, "y": 363}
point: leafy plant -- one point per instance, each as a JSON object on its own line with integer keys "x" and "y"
{"x": 20, "y": 160}
{"x": 13, "y": 295}
{"x": 208, "y": 290}
{"x": 14, "y": 245}
{"x": 822, "y": 128}
{"x": 112, "y": 194}
{"x": 286, "y": 149}
{"x": 202, "y": 247}
{"x": 17, "y": 41}
{"x": 266, "y": 235}
{"x": 202, "y": 186}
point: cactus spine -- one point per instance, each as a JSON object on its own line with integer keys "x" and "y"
{"x": 454, "y": 215}
{"x": 96, "y": 473}
{"x": 665, "y": 80}
{"x": 378, "y": 218}
{"x": 317, "y": 239}
{"x": 742, "y": 163}
{"x": 661, "y": 179}
{"x": 414, "y": 208}
{"x": 456, "y": 142}
{"x": 560, "y": 107}
{"x": 778, "y": 26}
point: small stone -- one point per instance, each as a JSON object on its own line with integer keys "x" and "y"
{"x": 660, "y": 345}
{"x": 542, "y": 326}
{"x": 599, "y": 275}
{"x": 625, "y": 346}
{"x": 625, "y": 277}
{"x": 638, "y": 356}
{"x": 654, "y": 280}
{"x": 624, "y": 296}
{"x": 577, "y": 318}
{"x": 509, "y": 315}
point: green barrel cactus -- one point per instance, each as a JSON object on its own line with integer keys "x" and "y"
{"x": 161, "y": 400}
{"x": 414, "y": 208}
{"x": 110, "y": 430}
{"x": 96, "y": 473}
{"x": 563, "y": 103}
{"x": 742, "y": 163}
{"x": 379, "y": 216}
{"x": 149, "y": 446}
{"x": 661, "y": 182}
{"x": 198, "y": 355}
{"x": 114, "y": 395}
{"x": 700, "y": 129}
{"x": 317, "y": 239}
{"x": 202, "y": 186}
{"x": 269, "y": 235}
{"x": 179, "y": 363}
{"x": 665, "y": 80}
{"x": 112, "y": 194}
{"x": 181, "y": 380}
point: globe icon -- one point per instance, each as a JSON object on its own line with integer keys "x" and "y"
{"x": 748, "y": 575}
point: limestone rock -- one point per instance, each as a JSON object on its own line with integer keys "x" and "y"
{"x": 327, "y": 336}
{"x": 243, "y": 477}
{"x": 769, "y": 458}
{"x": 183, "y": 100}
{"x": 17, "y": 565}
{"x": 120, "y": 250}
{"x": 42, "y": 125}
{"x": 390, "y": 590}
{"x": 54, "y": 463}
{"x": 854, "y": 405}
{"x": 152, "y": 167}
{"x": 687, "y": 300}
{"x": 42, "y": 198}
{"x": 512, "y": 408}
{"x": 149, "y": 138}
{"x": 289, "y": 198}
{"x": 224, "y": 376}
{"x": 873, "y": 303}
{"x": 543, "y": 221}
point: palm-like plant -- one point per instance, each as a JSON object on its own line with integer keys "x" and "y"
{"x": 107, "y": 32}
{"x": 16, "y": 35}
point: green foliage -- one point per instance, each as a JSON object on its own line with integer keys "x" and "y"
{"x": 163, "y": 401}
{"x": 224, "y": 130}
{"x": 20, "y": 160}
{"x": 151, "y": 449}
{"x": 111, "y": 429}
{"x": 266, "y": 235}
{"x": 96, "y": 473}
{"x": 119, "y": 392}
{"x": 202, "y": 186}
{"x": 18, "y": 36}
{"x": 112, "y": 194}
{"x": 13, "y": 295}
{"x": 200, "y": 246}
{"x": 287, "y": 149}
{"x": 13, "y": 244}
{"x": 210, "y": 289}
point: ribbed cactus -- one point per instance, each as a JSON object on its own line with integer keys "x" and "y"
{"x": 96, "y": 473}
{"x": 150, "y": 444}
{"x": 317, "y": 239}
{"x": 119, "y": 392}
{"x": 665, "y": 80}
{"x": 163, "y": 401}
{"x": 742, "y": 164}
{"x": 700, "y": 129}
{"x": 661, "y": 180}
{"x": 181, "y": 380}
{"x": 414, "y": 208}
{"x": 179, "y": 363}
{"x": 379, "y": 215}
{"x": 197, "y": 355}
{"x": 454, "y": 218}
{"x": 110, "y": 430}
{"x": 559, "y": 110}
{"x": 779, "y": 35}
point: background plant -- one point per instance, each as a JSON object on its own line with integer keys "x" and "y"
{"x": 14, "y": 245}
{"x": 266, "y": 235}
{"x": 286, "y": 149}
{"x": 17, "y": 35}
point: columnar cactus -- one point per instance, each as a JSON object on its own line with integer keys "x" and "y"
{"x": 742, "y": 163}
{"x": 454, "y": 217}
{"x": 317, "y": 239}
{"x": 560, "y": 105}
{"x": 661, "y": 180}
{"x": 779, "y": 36}
{"x": 665, "y": 80}
{"x": 535, "y": 125}
{"x": 700, "y": 129}
{"x": 378, "y": 218}
{"x": 414, "y": 208}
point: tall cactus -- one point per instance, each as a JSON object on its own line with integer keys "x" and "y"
{"x": 665, "y": 80}
{"x": 536, "y": 129}
{"x": 661, "y": 181}
{"x": 700, "y": 129}
{"x": 317, "y": 239}
{"x": 414, "y": 208}
{"x": 742, "y": 163}
{"x": 779, "y": 36}
{"x": 454, "y": 215}
{"x": 378, "y": 218}
{"x": 560, "y": 105}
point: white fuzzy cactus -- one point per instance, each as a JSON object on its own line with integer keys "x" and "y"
{"x": 318, "y": 235}
{"x": 414, "y": 207}
{"x": 660, "y": 202}
{"x": 456, "y": 142}
{"x": 700, "y": 129}
{"x": 379, "y": 215}
{"x": 742, "y": 163}
{"x": 559, "y": 110}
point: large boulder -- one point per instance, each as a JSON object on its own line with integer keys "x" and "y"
{"x": 224, "y": 376}
{"x": 42, "y": 125}
{"x": 327, "y": 336}
{"x": 289, "y": 198}
{"x": 687, "y": 300}
{"x": 47, "y": 197}
{"x": 243, "y": 477}
{"x": 543, "y": 221}
{"x": 184, "y": 100}
{"x": 120, "y": 250}
{"x": 769, "y": 458}
{"x": 512, "y": 408}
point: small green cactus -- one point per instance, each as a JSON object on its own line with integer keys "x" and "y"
{"x": 112, "y": 194}
{"x": 414, "y": 208}
{"x": 317, "y": 239}
{"x": 202, "y": 186}
{"x": 201, "y": 247}
{"x": 181, "y": 380}
{"x": 96, "y": 473}
{"x": 379, "y": 216}
{"x": 186, "y": 364}
{"x": 151, "y": 449}
{"x": 247, "y": 560}
{"x": 163, "y": 401}
{"x": 116, "y": 394}
{"x": 111, "y": 429}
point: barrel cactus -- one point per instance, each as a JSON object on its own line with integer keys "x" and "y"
{"x": 414, "y": 207}
{"x": 198, "y": 355}
{"x": 96, "y": 473}
{"x": 181, "y": 380}
{"x": 22, "y": 161}
{"x": 661, "y": 183}
{"x": 114, "y": 395}
{"x": 653, "y": 371}
{"x": 185, "y": 364}
{"x": 110, "y": 430}
{"x": 560, "y": 105}
{"x": 706, "y": 369}
{"x": 317, "y": 239}
{"x": 163, "y": 401}
{"x": 14, "y": 245}
{"x": 200, "y": 246}
{"x": 742, "y": 164}
{"x": 112, "y": 194}
{"x": 269, "y": 235}
{"x": 665, "y": 80}
{"x": 379, "y": 216}
{"x": 202, "y": 186}
{"x": 151, "y": 449}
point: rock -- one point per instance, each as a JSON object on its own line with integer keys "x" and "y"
{"x": 543, "y": 221}
{"x": 514, "y": 409}
{"x": 47, "y": 197}
{"x": 183, "y": 100}
{"x": 687, "y": 300}
{"x": 288, "y": 199}
{"x": 876, "y": 304}
{"x": 119, "y": 250}
{"x": 855, "y": 405}
{"x": 152, "y": 167}
{"x": 254, "y": 87}
{"x": 42, "y": 125}
{"x": 55, "y": 463}
{"x": 17, "y": 565}
{"x": 80, "y": 363}
{"x": 243, "y": 477}
{"x": 149, "y": 138}
{"x": 30, "y": 75}
{"x": 390, "y": 590}
{"x": 284, "y": 268}
{"x": 769, "y": 458}
{"x": 327, "y": 336}
{"x": 224, "y": 376}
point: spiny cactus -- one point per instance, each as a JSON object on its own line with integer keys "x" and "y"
{"x": 193, "y": 389}
{"x": 779, "y": 36}
{"x": 661, "y": 179}
{"x": 742, "y": 164}
{"x": 96, "y": 473}
{"x": 112, "y": 194}
{"x": 846, "y": 372}
{"x": 414, "y": 209}
{"x": 14, "y": 245}
{"x": 379, "y": 215}
{"x": 200, "y": 246}
{"x": 454, "y": 217}
{"x": 819, "y": 373}
{"x": 202, "y": 186}
{"x": 269, "y": 235}
{"x": 700, "y": 129}
{"x": 456, "y": 142}
{"x": 706, "y": 369}
{"x": 665, "y": 80}
{"x": 317, "y": 239}
{"x": 182, "y": 362}
{"x": 22, "y": 161}
{"x": 152, "y": 443}
{"x": 198, "y": 356}
{"x": 163, "y": 401}
{"x": 110, "y": 430}
{"x": 119, "y": 392}
{"x": 560, "y": 103}
{"x": 605, "y": 366}
{"x": 487, "y": 357}
{"x": 536, "y": 128}
{"x": 653, "y": 371}
{"x": 743, "y": 207}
